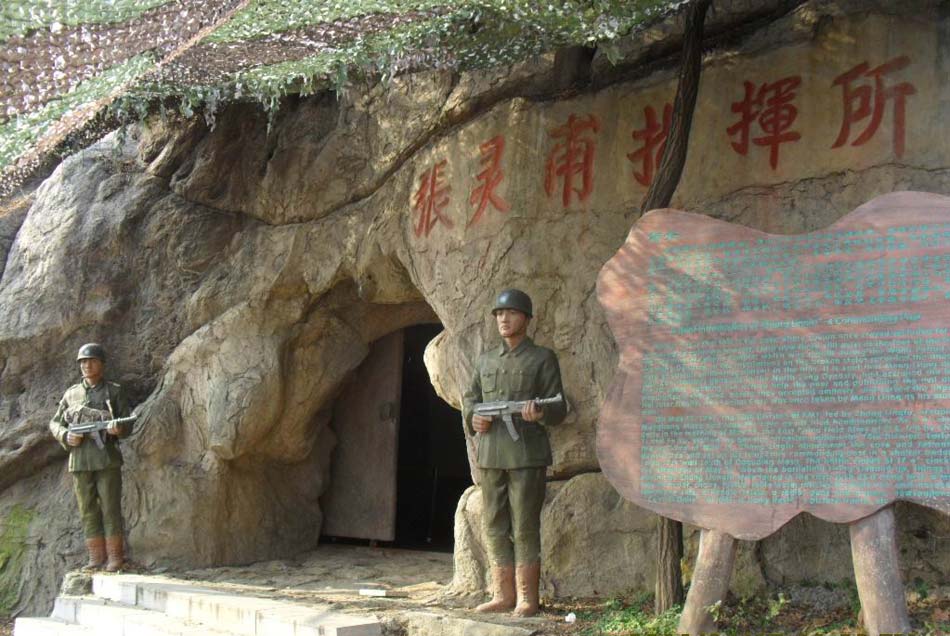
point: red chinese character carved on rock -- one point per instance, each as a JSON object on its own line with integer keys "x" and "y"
{"x": 653, "y": 134}
{"x": 572, "y": 156}
{"x": 862, "y": 102}
{"x": 769, "y": 106}
{"x": 430, "y": 199}
{"x": 490, "y": 177}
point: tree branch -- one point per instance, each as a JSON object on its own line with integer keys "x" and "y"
{"x": 674, "y": 155}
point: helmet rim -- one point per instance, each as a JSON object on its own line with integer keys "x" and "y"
{"x": 91, "y": 351}
{"x": 513, "y": 299}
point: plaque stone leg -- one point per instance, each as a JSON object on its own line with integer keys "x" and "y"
{"x": 876, "y": 571}
{"x": 717, "y": 555}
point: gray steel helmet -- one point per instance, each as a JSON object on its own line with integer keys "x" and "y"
{"x": 513, "y": 299}
{"x": 91, "y": 350}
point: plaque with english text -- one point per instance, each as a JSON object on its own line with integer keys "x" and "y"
{"x": 764, "y": 375}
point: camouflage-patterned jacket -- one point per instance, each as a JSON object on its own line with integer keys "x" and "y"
{"x": 528, "y": 371}
{"x": 88, "y": 456}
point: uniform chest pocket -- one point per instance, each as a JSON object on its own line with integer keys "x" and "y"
{"x": 489, "y": 378}
{"x": 522, "y": 380}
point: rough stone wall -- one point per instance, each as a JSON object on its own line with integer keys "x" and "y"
{"x": 239, "y": 273}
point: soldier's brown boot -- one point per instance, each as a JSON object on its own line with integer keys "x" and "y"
{"x": 115, "y": 549}
{"x": 529, "y": 578}
{"x": 503, "y": 590}
{"x": 97, "y": 554}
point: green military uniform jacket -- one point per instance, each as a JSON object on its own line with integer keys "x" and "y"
{"x": 523, "y": 373}
{"x": 88, "y": 456}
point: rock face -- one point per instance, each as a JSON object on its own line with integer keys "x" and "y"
{"x": 239, "y": 274}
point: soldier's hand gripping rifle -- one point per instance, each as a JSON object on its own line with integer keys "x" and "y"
{"x": 95, "y": 426}
{"x": 507, "y": 409}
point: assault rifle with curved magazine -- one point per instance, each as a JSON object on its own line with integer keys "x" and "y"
{"x": 506, "y": 409}
{"x": 94, "y": 427}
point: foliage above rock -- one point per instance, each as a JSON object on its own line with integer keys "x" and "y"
{"x": 64, "y": 62}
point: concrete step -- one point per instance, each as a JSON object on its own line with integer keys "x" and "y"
{"x": 48, "y": 627}
{"x": 231, "y": 613}
{"x": 105, "y": 618}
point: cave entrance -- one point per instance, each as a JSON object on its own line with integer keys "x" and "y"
{"x": 400, "y": 464}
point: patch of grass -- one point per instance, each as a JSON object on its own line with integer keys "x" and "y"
{"x": 855, "y": 601}
{"x": 778, "y": 615}
{"x": 936, "y": 628}
{"x": 921, "y": 587}
{"x": 626, "y": 617}
{"x": 776, "y": 606}
{"x": 632, "y": 615}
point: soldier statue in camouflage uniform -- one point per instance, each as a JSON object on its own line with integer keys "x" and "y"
{"x": 513, "y": 471}
{"x": 97, "y": 472}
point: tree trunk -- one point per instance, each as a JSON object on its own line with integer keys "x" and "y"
{"x": 714, "y": 564}
{"x": 669, "y": 579}
{"x": 877, "y": 573}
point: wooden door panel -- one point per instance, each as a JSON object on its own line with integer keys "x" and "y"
{"x": 361, "y": 499}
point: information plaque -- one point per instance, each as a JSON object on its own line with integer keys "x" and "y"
{"x": 762, "y": 375}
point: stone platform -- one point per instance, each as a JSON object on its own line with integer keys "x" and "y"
{"x": 317, "y": 594}
{"x": 134, "y": 605}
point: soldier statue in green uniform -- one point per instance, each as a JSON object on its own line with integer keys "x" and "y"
{"x": 512, "y": 465}
{"x": 96, "y": 465}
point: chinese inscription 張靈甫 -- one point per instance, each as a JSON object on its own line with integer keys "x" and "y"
{"x": 572, "y": 157}
{"x": 430, "y": 200}
{"x": 489, "y": 179}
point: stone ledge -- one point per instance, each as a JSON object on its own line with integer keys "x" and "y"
{"x": 237, "y": 614}
{"x": 104, "y": 617}
{"x": 48, "y": 627}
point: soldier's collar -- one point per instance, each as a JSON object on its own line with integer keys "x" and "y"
{"x": 86, "y": 385}
{"x": 517, "y": 350}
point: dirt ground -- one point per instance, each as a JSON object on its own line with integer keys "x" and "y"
{"x": 335, "y": 571}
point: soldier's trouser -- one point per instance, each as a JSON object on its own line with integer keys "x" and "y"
{"x": 99, "y": 495}
{"x": 511, "y": 514}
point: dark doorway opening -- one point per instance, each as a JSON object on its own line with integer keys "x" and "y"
{"x": 432, "y": 467}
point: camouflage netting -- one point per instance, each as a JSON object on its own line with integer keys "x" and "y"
{"x": 71, "y": 68}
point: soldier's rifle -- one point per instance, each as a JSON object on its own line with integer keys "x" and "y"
{"x": 505, "y": 409}
{"x": 94, "y": 427}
